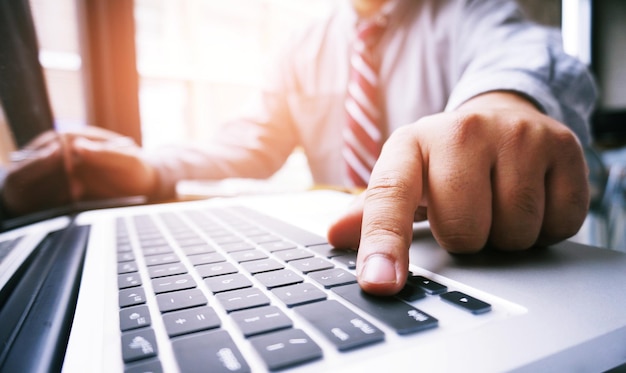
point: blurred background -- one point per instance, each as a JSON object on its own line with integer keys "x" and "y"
{"x": 167, "y": 71}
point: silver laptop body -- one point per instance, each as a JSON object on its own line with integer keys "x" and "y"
{"x": 561, "y": 308}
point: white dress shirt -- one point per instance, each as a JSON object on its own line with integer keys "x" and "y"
{"x": 435, "y": 54}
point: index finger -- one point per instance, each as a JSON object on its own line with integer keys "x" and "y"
{"x": 392, "y": 197}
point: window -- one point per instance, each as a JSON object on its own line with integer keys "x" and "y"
{"x": 60, "y": 57}
{"x": 199, "y": 59}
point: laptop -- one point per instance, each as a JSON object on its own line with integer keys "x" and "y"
{"x": 249, "y": 284}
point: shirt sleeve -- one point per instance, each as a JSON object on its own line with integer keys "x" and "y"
{"x": 498, "y": 49}
{"x": 254, "y": 145}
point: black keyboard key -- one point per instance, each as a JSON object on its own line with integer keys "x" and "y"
{"x": 225, "y": 242}
{"x": 248, "y": 255}
{"x": 261, "y": 320}
{"x": 431, "y": 287}
{"x": 215, "y": 231}
{"x": 400, "y": 316}
{"x": 134, "y": 317}
{"x": 233, "y": 281}
{"x": 157, "y": 250}
{"x": 311, "y": 264}
{"x": 151, "y": 366}
{"x": 148, "y": 234}
{"x": 471, "y": 304}
{"x": 128, "y": 280}
{"x": 330, "y": 278}
{"x": 161, "y": 259}
{"x": 286, "y": 348}
{"x": 236, "y": 246}
{"x": 125, "y": 257}
{"x": 179, "y": 300}
{"x": 282, "y": 277}
{"x": 183, "y": 234}
{"x": 198, "y": 249}
{"x": 243, "y": 298}
{"x": 191, "y": 242}
{"x": 212, "y": 351}
{"x": 139, "y": 344}
{"x": 329, "y": 251}
{"x": 216, "y": 269}
{"x": 277, "y": 246}
{"x": 173, "y": 283}
{"x": 132, "y": 297}
{"x": 298, "y": 294}
{"x": 190, "y": 321}
{"x": 293, "y": 254}
{"x": 127, "y": 267}
{"x": 349, "y": 260}
{"x": 167, "y": 270}
{"x": 251, "y": 230}
{"x": 265, "y": 238}
{"x": 411, "y": 292}
{"x": 208, "y": 258}
{"x": 152, "y": 242}
{"x": 124, "y": 247}
{"x": 342, "y": 327}
{"x": 293, "y": 233}
{"x": 263, "y": 265}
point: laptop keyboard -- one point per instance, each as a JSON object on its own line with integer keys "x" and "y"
{"x": 270, "y": 279}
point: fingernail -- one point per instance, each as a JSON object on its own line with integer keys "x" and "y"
{"x": 379, "y": 269}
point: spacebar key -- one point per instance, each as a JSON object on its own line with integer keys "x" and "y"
{"x": 402, "y": 317}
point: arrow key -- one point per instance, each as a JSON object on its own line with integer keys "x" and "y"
{"x": 471, "y": 304}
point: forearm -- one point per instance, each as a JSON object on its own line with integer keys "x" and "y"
{"x": 246, "y": 155}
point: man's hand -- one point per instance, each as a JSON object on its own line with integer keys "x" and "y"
{"x": 495, "y": 172}
{"x": 37, "y": 178}
{"x": 107, "y": 165}
{"x": 89, "y": 164}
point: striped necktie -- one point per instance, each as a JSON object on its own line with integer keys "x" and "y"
{"x": 363, "y": 135}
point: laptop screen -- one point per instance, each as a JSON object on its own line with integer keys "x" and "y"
{"x": 23, "y": 92}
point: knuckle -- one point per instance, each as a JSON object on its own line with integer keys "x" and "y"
{"x": 563, "y": 136}
{"x": 517, "y": 135}
{"x": 402, "y": 132}
{"x": 566, "y": 230}
{"x": 388, "y": 184}
{"x": 464, "y": 128}
{"x": 571, "y": 219}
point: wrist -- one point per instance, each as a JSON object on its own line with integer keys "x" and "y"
{"x": 163, "y": 185}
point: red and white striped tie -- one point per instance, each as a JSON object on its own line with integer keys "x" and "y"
{"x": 363, "y": 136}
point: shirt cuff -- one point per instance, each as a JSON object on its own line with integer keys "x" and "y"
{"x": 539, "y": 93}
